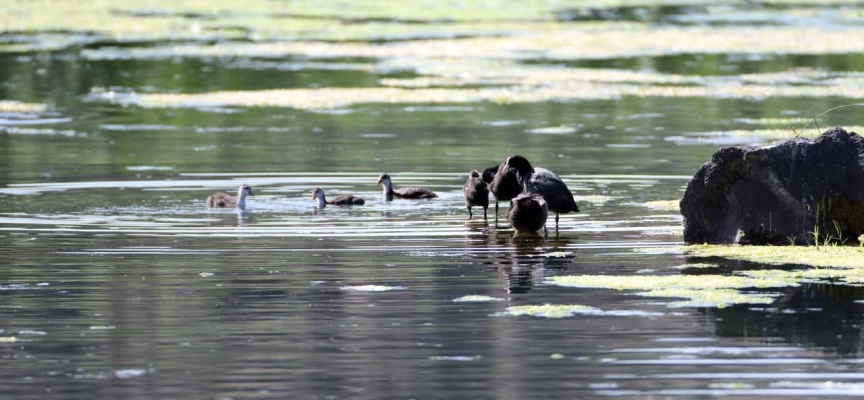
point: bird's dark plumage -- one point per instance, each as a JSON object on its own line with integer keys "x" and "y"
{"x": 343, "y": 200}
{"x": 528, "y": 213}
{"x": 404, "y": 193}
{"x": 489, "y": 174}
{"x": 476, "y": 193}
{"x": 503, "y": 183}
{"x": 545, "y": 183}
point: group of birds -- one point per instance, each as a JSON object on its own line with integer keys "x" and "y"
{"x": 531, "y": 191}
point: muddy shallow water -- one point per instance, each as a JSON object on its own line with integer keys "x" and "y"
{"x": 117, "y": 281}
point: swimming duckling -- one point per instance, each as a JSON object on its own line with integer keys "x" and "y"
{"x": 476, "y": 193}
{"x": 343, "y": 200}
{"x": 223, "y": 200}
{"x": 404, "y": 193}
{"x": 528, "y": 213}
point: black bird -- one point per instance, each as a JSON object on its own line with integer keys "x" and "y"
{"x": 545, "y": 183}
{"x": 503, "y": 182}
{"x": 404, "y": 193}
{"x": 476, "y": 193}
{"x": 528, "y": 213}
{"x": 343, "y": 200}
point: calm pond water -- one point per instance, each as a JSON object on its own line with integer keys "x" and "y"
{"x": 117, "y": 282}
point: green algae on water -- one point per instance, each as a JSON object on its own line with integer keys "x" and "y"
{"x": 815, "y": 256}
{"x": 699, "y": 290}
{"x": 711, "y": 297}
{"x": 548, "y": 310}
{"x": 662, "y": 282}
{"x": 20, "y": 107}
{"x": 665, "y": 205}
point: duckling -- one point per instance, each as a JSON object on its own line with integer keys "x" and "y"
{"x": 223, "y": 200}
{"x": 404, "y": 193}
{"x": 476, "y": 193}
{"x": 528, "y": 213}
{"x": 545, "y": 183}
{"x": 343, "y": 200}
{"x": 504, "y": 183}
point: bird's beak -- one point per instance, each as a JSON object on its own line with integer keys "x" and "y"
{"x": 314, "y": 196}
{"x": 250, "y": 192}
{"x": 378, "y": 182}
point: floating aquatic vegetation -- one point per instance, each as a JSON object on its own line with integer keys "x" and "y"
{"x": 700, "y": 290}
{"x": 600, "y": 41}
{"x": 476, "y": 299}
{"x": 330, "y": 98}
{"x": 816, "y": 256}
{"x": 665, "y": 205}
{"x": 569, "y": 310}
{"x": 796, "y": 121}
{"x": 20, "y": 107}
{"x": 548, "y": 310}
{"x": 663, "y": 282}
{"x": 371, "y": 288}
{"x": 850, "y": 276}
{"x": 710, "y": 298}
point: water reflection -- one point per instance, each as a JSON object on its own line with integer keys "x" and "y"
{"x": 812, "y": 315}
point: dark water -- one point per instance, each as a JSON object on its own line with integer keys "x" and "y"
{"x": 117, "y": 282}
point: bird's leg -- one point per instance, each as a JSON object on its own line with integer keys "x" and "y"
{"x": 496, "y": 213}
{"x": 556, "y": 222}
{"x": 484, "y": 214}
{"x": 545, "y": 232}
{"x": 470, "y": 215}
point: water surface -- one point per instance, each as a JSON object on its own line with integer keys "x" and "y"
{"x": 117, "y": 280}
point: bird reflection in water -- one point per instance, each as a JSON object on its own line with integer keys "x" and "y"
{"x": 525, "y": 265}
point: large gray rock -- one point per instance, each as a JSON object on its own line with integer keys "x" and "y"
{"x": 779, "y": 194}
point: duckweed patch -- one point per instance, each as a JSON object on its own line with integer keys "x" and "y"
{"x": 849, "y": 276}
{"x": 334, "y": 98}
{"x": 710, "y": 298}
{"x": 663, "y": 282}
{"x": 564, "y": 311}
{"x": 20, "y": 107}
{"x": 666, "y": 205}
{"x": 548, "y": 310}
{"x": 816, "y": 256}
{"x": 699, "y": 290}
